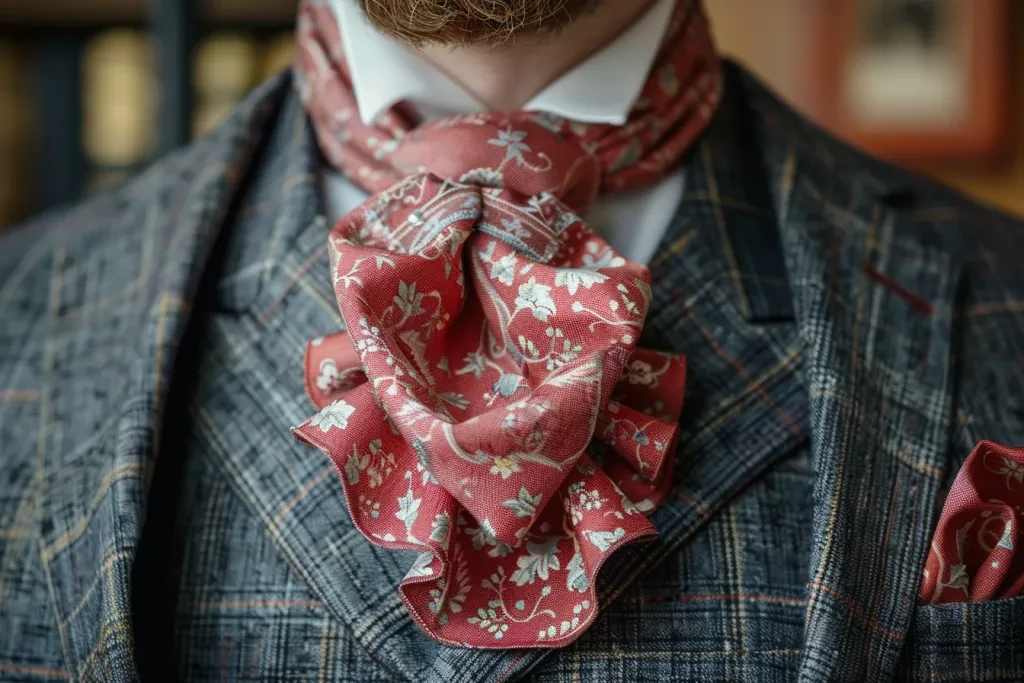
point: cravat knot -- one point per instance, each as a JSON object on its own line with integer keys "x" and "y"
{"x": 524, "y": 152}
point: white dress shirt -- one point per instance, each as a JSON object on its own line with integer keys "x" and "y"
{"x": 602, "y": 89}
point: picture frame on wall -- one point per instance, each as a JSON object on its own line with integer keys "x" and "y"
{"x": 915, "y": 80}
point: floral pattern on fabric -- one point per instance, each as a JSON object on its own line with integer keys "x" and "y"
{"x": 975, "y": 553}
{"x": 508, "y": 427}
{"x": 488, "y": 406}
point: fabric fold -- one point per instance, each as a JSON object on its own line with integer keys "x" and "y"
{"x": 494, "y": 335}
{"x": 332, "y": 367}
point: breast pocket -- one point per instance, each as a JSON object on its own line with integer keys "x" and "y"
{"x": 971, "y": 641}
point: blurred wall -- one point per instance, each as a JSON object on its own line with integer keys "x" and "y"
{"x": 768, "y": 37}
{"x": 771, "y": 38}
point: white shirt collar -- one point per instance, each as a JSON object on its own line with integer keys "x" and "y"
{"x": 602, "y": 89}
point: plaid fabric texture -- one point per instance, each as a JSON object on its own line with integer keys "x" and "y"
{"x": 852, "y": 332}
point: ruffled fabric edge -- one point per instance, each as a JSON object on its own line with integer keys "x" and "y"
{"x": 466, "y": 588}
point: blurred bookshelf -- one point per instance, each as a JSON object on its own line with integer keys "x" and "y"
{"x": 91, "y": 91}
{"x": 102, "y": 13}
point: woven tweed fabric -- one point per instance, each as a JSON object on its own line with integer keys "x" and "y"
{"x": 157, "y": 519}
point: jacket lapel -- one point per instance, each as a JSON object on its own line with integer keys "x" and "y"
{"x": 874, "y": 297}
{"x": 126, "y": 269}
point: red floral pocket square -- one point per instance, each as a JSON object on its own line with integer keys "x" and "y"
{"x": 975, "y": 553}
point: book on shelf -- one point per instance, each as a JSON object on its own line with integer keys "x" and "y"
{"x": 226, "y": 66}
{"x": 16, "y": 133}
{"x": 278, "y": 54}
{"x": 119, "y": 98}
{"x": 79, "y": 114}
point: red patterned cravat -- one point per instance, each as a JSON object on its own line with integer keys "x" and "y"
{"x": 491, "y": 337}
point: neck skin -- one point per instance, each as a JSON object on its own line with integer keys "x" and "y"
{"x": 506, "y": 78}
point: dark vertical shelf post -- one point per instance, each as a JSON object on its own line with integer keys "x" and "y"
{"x": 174, "y": 28}
{"x": 61, "y": 161}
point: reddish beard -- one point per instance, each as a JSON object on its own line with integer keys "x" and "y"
{"x": 461, "y": 22}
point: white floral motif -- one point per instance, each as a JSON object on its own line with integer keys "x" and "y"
{"x": 484, "y": 535}
{"x": 475, "y": 364}
{"x": 488, "y": 619}
{"x": 592, "y": 500}
{"x": 512, "y": 141}
{"x": 441, "y": 530}
{"x": 537, "y": 298}
{"x": 421, "y": 567}
{"x": 408, "y": 301}
{"x": 640, "y": 373}
{"x": 372, "y": 506}
{"x": 382, "y": 148}
{"x": 569, "y": 352}
{"x": 486, "y": 177}
{"x": 604, "y": 540}
{"x": 1012, "y": 470}
{"x": 408, "y": 510}
{"x": 594, "y": 259}
{"x": 530, "y": 349}
{"x": 442, "y": 601}
{"x": 576, "y": 579}
{"x": 645, "y": 505}
{"x": 377, "y": 464}
{"x": 507, "y": 385}
{"x": 421, "y": 465}
{"x": 516, "y": 229}
{"x": 495, "y": 618}
{"x": 1006, "y": 540}
{"x": 329, "y": 378}
{"x": 539, "y": 559}
{"x": 525, "y": 505}
{"x": 571, "y": 502}
{"x": 573, "y": 278}
{"x": 958, "y": 578}
{"x": 335, "y": 415}
{"x": 567, "y": 626}
{"x": 454, "y": 399}
{"x": 504, "y": 269}
{"x": 506, "y": 467}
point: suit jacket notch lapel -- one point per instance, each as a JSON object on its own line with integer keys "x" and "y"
{"x": 874, "y": 296}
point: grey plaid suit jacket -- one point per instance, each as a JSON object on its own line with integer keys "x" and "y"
{"x": 852, "y": 331}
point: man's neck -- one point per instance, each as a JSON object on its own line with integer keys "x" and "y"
{"x": 507, "y": 77}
